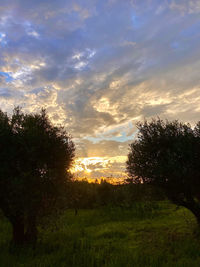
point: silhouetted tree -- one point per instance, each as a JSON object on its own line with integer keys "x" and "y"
{"x": 167, "y": 154}
{"x": 105, "y": 192}
{"x": 35, "y": 157}
{"x": 84, "y": 195}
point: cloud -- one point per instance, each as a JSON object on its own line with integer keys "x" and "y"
{"x": 100, "y": 167}
{"x": 191, "y": 6}
{"x": 100, "y": 66}
{"x": 110, "y": 148}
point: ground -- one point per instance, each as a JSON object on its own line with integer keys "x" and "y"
{"x": 149, "y": 234}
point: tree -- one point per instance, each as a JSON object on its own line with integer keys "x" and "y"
{"x": 167, "y": 154}
{"x": 105, "y": 192}
{"x": 35, "y": 159}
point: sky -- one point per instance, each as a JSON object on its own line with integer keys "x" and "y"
{"x": 98, "y": 67}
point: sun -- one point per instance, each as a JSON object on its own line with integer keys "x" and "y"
{"x": 85, "y": 164}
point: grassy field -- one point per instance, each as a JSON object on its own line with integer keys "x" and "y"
{"x": 149, "y": 234}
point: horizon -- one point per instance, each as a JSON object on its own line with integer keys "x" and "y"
{"x": 98, "y": 67}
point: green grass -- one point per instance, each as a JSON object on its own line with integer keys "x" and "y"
{"x": 149, "y": 234}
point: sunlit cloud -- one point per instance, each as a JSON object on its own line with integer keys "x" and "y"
{"x": 98, "y": 68}
{"x": 100, "y": 167}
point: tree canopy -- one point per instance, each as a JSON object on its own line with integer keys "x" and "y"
{"x": 35, "y": 159}
{"x": 167, "y": 154}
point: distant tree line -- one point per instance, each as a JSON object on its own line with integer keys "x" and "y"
{"x": 95, "y": 195}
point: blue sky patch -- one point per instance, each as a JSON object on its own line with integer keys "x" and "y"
{"x": 7, "y": 75}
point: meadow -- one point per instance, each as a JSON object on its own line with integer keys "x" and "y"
{"x": 155, "y": 233}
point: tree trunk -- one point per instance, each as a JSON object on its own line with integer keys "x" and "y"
{"x": 195, "y": 209}
{"x": 18, "y": 232}
{"x": 75, "y": 211}
{"x": 31, "y": 231}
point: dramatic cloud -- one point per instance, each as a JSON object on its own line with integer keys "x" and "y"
{"x": 100, "y": 66}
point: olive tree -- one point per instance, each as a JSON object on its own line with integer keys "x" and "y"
{"x": 35, "y": 158}
{"x": 167, "y": 154}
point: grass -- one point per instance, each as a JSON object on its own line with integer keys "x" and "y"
{"x": 149, "y": 234}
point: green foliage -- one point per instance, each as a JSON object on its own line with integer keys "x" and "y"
{"x": 112, "y": 237}
{"x": 166, "y": 154}
{"x": 35, "y": 157}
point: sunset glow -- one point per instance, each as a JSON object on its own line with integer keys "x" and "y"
{"x": 99, "y": 167}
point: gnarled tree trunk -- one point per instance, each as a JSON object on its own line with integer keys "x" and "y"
{"x": 18, "y": 237}
{"x": 24, "y": 231}
{"x": 195, "y": 209}
{"x": 31, "y": 231}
